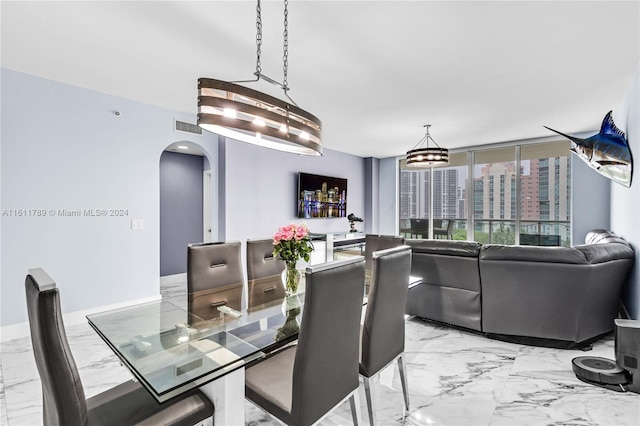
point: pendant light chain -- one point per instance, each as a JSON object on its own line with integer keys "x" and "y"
{"x": 258, "y": 38}
{"x": 240, "y": 113}
{"x": 285, "y": 48}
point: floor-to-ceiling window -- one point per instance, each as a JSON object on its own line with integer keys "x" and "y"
{"x": 546, "y": 194}
{"x": 445, "y": 200}
{"x": 515, "y": 194}
{"x": 494, "y": 176}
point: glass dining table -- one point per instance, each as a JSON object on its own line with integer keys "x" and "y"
{"x": 169, "y": 350}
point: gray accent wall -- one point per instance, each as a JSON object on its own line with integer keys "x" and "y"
{"x": 180, "y": 209}
{"x": 625, "y": 202}
{"x": 371, "y": 194}
{"x": 78, "y": 155}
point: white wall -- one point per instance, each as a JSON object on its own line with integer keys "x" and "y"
{"x": 625, "y": 202}
{"x": 590, "y": 192}
{"x": 63, "y": 148}
{"x": 388, "y": 198}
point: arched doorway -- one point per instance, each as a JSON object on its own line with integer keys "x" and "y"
{"x": 185, "y": 204}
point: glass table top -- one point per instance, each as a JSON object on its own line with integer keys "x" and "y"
{"x": 170, "y": 350}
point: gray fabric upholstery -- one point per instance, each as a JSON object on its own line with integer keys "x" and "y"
{"x": 214, "y": 277}
{"x": 324, "y": 368}
{"x": 262, "y": 264}
{"x": 63, "y": 396}
{"x": 383, "y": 328}
{"x": 450, "y": 289}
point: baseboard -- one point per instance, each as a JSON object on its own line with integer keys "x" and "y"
{"x": 21, "y": 329}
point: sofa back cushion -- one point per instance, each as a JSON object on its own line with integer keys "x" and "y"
{"x": 532, "y": 254}
{"x": 445, "y": 247}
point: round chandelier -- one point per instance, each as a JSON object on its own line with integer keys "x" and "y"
{"x": 422, "y": 155}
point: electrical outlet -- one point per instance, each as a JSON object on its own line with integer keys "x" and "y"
{"x": 137, "y": 224}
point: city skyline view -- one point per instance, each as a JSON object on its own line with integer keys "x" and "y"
{"x": 544, "y": 204}
{"x": 321, "y": 196}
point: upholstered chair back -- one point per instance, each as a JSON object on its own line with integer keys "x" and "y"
{"x": 260, "y": 259}
{"x": 325, "y": 368}
{"x": 63, "y": 396}
{"x": 374, "y": 243}
{"x": 263, "y": 271}
{"x": 383, "y": 328}
{"x": 214, "y": 277}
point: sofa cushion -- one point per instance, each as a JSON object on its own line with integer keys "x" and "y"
{"x": 533, "y": 254}
{"x": 455, "y": 306}
{"x": 445, "y": 247}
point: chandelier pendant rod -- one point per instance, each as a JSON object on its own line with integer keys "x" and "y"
{"x": 285, "y": 57}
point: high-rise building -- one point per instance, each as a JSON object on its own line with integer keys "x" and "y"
{"x": 415, "y": 199}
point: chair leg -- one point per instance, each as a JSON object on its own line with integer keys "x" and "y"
{"x": 403, "y": 379}
{"x": 355, "y": 408}
{"x": 369, "y": 394}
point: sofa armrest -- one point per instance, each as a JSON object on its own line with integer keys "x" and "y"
{"x": 600, "y": 236}
{"x": 604, "y": 252}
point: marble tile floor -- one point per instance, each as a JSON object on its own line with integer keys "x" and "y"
{"x": 455, "y": 378}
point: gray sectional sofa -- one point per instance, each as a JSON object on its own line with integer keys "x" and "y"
{"x": 549, "y": 296}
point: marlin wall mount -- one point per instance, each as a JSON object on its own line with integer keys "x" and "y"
{"x": 607, "y": 152}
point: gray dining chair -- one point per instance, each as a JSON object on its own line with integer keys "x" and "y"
{"x": 63, "y": 396}
{"x": 300, "y": 384}
{"x": 264, "y": 283}
{"x": 214, "y": 278}
{"x": 382, "y": 333}
{"x": 373, "y": 243}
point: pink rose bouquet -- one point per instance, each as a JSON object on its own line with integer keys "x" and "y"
{"x": 291, "y": 243}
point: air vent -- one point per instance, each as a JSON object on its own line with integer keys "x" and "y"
{"x": 188, "y": 127}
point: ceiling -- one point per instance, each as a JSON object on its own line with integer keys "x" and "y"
{"x": 374, "y": 72}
